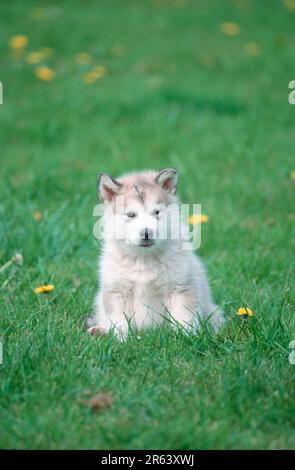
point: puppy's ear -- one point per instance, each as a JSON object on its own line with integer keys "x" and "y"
{"x": 167, "y": 179}
{"x": 108, "y": 188}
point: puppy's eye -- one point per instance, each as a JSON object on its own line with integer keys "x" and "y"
{"x": 156, "y": 212}
{"x": 131, "y": 215}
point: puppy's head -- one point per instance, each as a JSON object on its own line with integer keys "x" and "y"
{"x": 139, "y": 207}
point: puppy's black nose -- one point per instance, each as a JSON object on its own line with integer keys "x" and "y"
{"x": 146, "y": 233}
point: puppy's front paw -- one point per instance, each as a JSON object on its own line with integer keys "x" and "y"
{"x": 96, "y": 330}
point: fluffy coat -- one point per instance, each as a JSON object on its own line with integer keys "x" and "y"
{"x": 145, "y": 280}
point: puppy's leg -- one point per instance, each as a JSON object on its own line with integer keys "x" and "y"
{"x": 206, "y": 307}
{"x": 109, "y": 314}
{"x": 97, "y": 323}
{"x": 181, "y": 306}
{"x": 187, "y": 311}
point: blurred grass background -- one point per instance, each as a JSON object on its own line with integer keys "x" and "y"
{"x": 199, "y": 85}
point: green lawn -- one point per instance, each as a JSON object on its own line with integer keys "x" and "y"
{"x": 179, "y": 92}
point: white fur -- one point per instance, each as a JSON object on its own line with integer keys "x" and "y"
{"x": 146, "y": 285}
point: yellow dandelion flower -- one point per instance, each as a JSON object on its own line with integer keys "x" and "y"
{"x": 99, "y": 71}
{"x": 292, "y": 175}
{"x": 38, "y": 56}
{"x": 34, "y": 57}
{"x": 95, "y": 74}
{"x": 89, "y": 78}
{"x": 230, "y": 29}
{"x": 118, "y": 50}
{"x": 83, "y": 58}
{"x": 37, "y": 216}
{"x": 44, "y": 289}
{"x": 290, "y": 4}
{"x": 198, "y": 219}
{"x": 245, "y": 311}
{"x": 44, "y": 73}
{"x": 252, "y": 49}
{"x": 18, "y": 42}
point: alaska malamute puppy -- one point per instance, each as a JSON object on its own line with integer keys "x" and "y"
{"x": 145, "y": 274}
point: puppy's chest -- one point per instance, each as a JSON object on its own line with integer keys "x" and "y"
{"x": 142, "y": 281}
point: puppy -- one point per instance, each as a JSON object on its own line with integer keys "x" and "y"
{"x": 146, "y": 275}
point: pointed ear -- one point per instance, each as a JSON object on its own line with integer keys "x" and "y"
{"x": 167, "y": 179}
{"x": 107, "y": 187}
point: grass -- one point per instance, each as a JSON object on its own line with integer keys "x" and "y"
{"x": 181, "y": 94}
